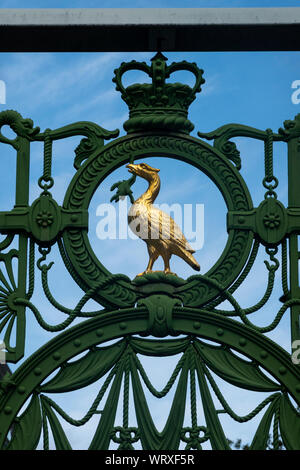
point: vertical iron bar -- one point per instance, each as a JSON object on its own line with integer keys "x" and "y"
{"x": 22, "y": 176}
{"x": 294, "y": 202}
{"x": 21, "y": 202}
{"x": 126, "y": 398}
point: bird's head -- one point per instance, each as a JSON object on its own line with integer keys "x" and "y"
{"x": 143, "y": 170}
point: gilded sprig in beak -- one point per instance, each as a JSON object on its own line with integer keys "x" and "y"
{"x": 131, "y": 168}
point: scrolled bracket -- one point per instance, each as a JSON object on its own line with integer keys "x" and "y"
{"x": 93, "y": 140}
{"x": 222, "y": 135}
{"x": 22, "y": 127}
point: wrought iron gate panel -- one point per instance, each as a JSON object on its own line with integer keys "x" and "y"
{"x": 155, "y": 314}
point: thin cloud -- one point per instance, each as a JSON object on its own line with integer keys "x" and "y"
{"x": 103, "y": 99}
{"x": 211, "y": 85}
{"x": 49, "y": 81}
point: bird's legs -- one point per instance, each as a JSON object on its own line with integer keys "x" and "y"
{"x": 153, "y": 255}
{"x": 166, "y": 259}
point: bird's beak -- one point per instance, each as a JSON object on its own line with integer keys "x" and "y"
{"x": 131, "y": 168}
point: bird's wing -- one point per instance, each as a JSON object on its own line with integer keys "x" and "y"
{"x": 164, "y": 227}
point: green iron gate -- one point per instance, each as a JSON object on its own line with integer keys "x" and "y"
{"x": 155, "y": 315}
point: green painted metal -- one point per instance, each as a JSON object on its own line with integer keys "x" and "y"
{"x": 159, "y": 105}
{"x": 153, "y": 315}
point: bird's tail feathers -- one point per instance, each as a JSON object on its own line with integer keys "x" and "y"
{"x": 188, "y": 257}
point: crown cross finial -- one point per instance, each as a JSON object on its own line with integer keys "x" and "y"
{"x": 159, "y": 105}
{"x": 158, "y": 72}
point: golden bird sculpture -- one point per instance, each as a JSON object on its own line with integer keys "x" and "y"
{"x": 163, "y": 236}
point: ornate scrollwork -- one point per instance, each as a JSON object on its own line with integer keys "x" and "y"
{"x": 222, "y": 135}
{"x": 22, "y": 127}
{"x": 291, "y": 128}
{"x": 11, "y": 315}
{"x": 111, "y": 344}
{"x": 94, "y": 140}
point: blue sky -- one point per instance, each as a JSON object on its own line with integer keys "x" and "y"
{"x": 56, "y": 89}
